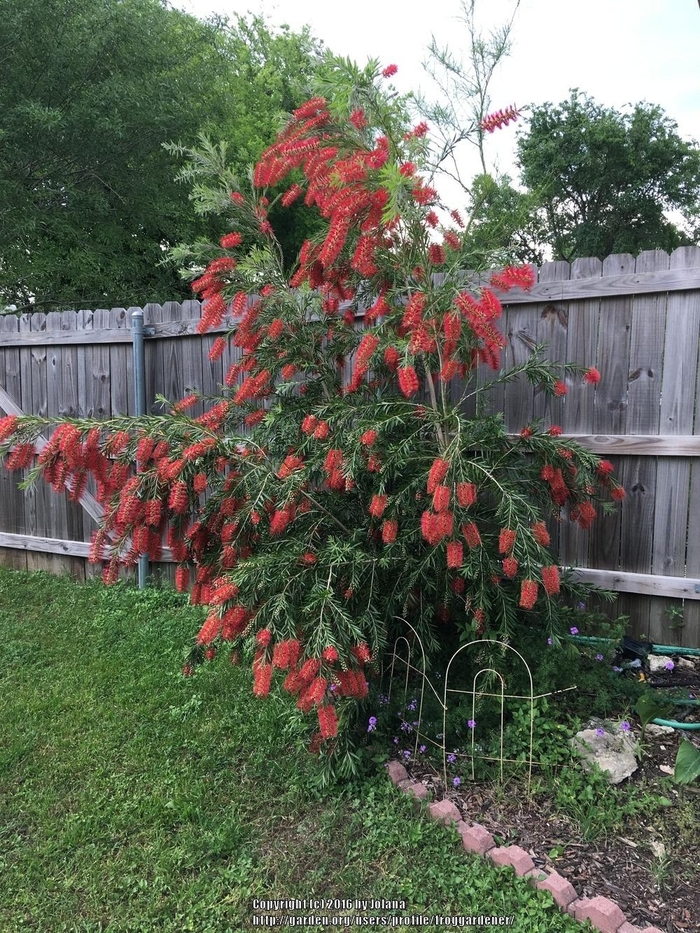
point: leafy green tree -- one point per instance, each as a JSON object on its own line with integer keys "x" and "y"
{"x": 606, "y": 181}
{"x": 91, "y": 91}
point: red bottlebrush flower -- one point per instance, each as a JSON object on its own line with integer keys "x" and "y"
{"x": 290, "y": 463}
{"x": 457, "y": 217}
{"x": 605, "y": 467}
{"x": 441, "y": 498}
{"x": 618, "y": 493}
{"x": 262, "y": 678}
{"x": 436, "y": 254}
{"x": 501, "y": 118}
{"x": 584, "y": 514}
{"x": 407, "y": 169}
{"x": 275, "y": 330}
{"x": 211, "y": 629}
{"x": 285, "y": 654}
{"x": 408, "y": 381}
{"x": 550, "y": 579}
{"x": 555, "y": 431}
{"x": 466, "y": 494}
{"x": 255, "y": 417}
{"x": 526, "y": 432}
{"x": 432, "y": 219}
{"x": 389, "y": 531}
{"x": 291, "y": 195}
{"x": 308, "y": 425}
{"x": 458, "y": 585}
{"x": 231, "y": 240}
{"x": 210, "y": 654}
{"x": 330, "y": 654}
{"x": 510, "y": 567}
{"x": 540, "y": 534}
{"x": 187, "y": 670}
{"x": 288, "y": 371}
{"x": 374, "y": 465}
{"x": 334, "y": 460}
{"x": 438, "y": 471}
{"x": 322, "y": 431}
{"x": 264, "y": 637}
{"x": 366, "y": 348}
{"x": 423, "y": 194}
{"x": 358, "y": 118}
{"x": 592, "y": 376}
{"x": 182, "y": 579}
{"x": 362, "y": 653}
{"x": 514, "y": 277}
{"x": 368, "y": 438}
{"x": 471, "y": 535}
{"x": 390, "y": 71}
{"x": 152, "y": 513}
{"x": 327, "y": 721}
{"x": 560, "y": 388}
{"x": 455, "y": 554}
{"x": 377, "y": 506}
{"x": 506, "y": 540}
{"x": 279, "y": 522}
{"x": 179, "y": 499}
{"x": 452, "y": 240}
{"x": 309, "y": 559}
{"x": 528, "y": 594}
{"x": 7, "y": 426}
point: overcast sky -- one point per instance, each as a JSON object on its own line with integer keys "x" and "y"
{"x": 618, "y": 51}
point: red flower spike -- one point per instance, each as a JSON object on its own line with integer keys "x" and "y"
{"x": 510, "y": 567}
{"x": 506, "y": 540}
{"x": 438, "y": 471}
{"x": 466, "y": 494}
{"x": 390, "y": 71}
{"x": 441, "y": 498}
{"x": 264, "y": 637}
{"x": 327, "y": 721}
{"x": 377, "y": 506}
{"x": 408, "y": 381}
{"x": 528, "y": 594}
{"x": 618, "y": 493}
{"x": 555, "y": 431}
{"x": 329, "y": 654}
{"x": 560, "y": 388}
{"x": 500, "y": 118}
{"x": 550, "y": 579}
{"x": 455, "y": 554}
{"x": 592, "y": 376}
{"x": 605, "y": 467}
{"x": 540, "y": 534}
{"x": 389, "y": 531}
{"x": 471, "y": 535}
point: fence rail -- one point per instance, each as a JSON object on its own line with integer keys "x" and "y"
{"x": 636, "y": 320}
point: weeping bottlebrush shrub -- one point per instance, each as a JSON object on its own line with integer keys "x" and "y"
{"x": 346, "y": 490}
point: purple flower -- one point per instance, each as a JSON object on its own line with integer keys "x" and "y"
{"x": 573, "y": 630}
{"x": 396, "y": 741}
{"x": 407, "y": 755}
{"x": 332, "y": 688}
{"x": 549, "y": 641}
{"x": 617, "y": 669}
{"x": 421, "y": 748}
{"x": 372, "y": 725}
{"x": 669, "y": 665}
{"x": 600, "y": 732}
{"x": 451, "y": 758}
{"x": 625, "y": 726}
{"x": 471, "y": 723}
{"x": 581, "y": 606}
{"x": 456, "y": 781}
{"x": 691, "y": 696}
{"x": 599, "y": 657}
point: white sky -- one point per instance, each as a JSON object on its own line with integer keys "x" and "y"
{"x": 618, "y": 51}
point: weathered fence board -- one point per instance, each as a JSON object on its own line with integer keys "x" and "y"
{"x": 636, "y": 320}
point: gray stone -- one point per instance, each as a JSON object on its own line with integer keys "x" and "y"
{"x": 653, "y": 729}
{"x": 657, "y": 662}
{"x": 613, "y": 751}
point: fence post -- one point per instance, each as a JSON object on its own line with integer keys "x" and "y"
{"x": 140, "y": 400}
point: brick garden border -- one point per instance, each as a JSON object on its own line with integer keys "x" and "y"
{"x": 605, "y": 915}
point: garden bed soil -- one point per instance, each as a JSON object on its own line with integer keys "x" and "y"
{"x": 653, "y": 886}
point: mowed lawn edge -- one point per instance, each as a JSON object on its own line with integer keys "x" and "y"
{"x": 135, "y": 799}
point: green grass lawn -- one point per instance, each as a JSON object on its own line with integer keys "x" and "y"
{"x": 134, "y": 799}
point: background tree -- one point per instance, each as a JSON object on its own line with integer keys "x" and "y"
{"x": 606, "y": 181}
{"x": 90, "y": 92}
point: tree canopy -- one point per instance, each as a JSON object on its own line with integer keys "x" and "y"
{"x": 606, "y": 181}
{"x": 91, "y": 91}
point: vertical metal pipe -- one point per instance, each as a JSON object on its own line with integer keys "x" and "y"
{"x": 140, "y": 400}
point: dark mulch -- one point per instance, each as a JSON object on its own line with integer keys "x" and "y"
{"x": 664, "y": 892}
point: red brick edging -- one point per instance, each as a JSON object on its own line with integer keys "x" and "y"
{"x": 605, "y": 915}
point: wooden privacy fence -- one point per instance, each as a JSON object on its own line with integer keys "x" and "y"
{"x": 636, "y": 320}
